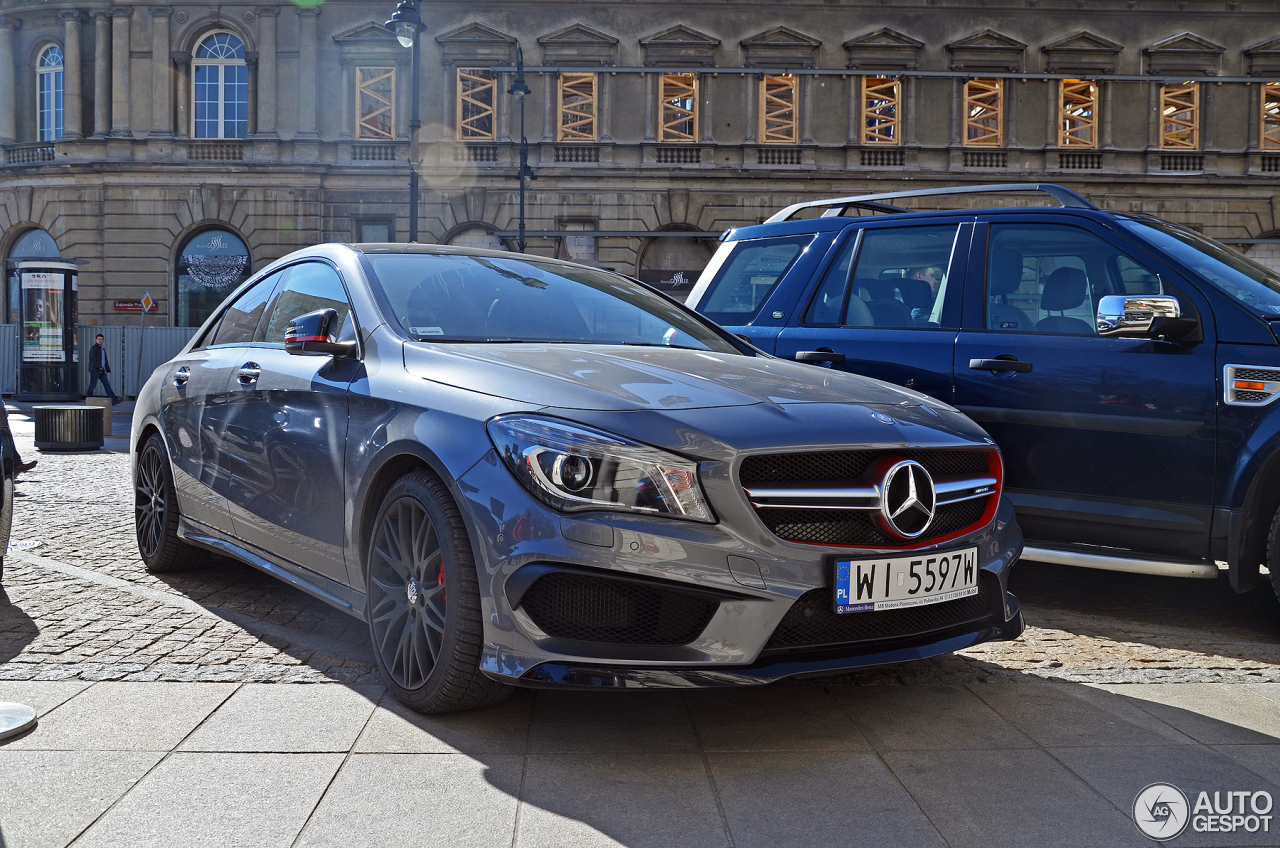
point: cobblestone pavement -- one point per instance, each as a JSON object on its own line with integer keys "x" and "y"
{"x": 80, "y": 606}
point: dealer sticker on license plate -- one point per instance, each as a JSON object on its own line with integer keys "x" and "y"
{"x": 910, "y": 581}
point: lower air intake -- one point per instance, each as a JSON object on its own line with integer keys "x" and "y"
{"x": 599, "y": 609}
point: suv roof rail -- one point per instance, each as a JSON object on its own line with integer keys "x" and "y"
{"x": 837, "y": 205}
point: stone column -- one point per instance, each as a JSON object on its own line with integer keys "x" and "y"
{"x": 8, "y": 86}
{"x": 1156, "y": 121}
{"x": 72, "y": 100}
{"x": 182, "y": 76}
{"x": 855, "y": 111}
{"x": 604, "y": 106}
{"x": 120, "y": 70}
{"x": 1206, "y": 116}
{"x": 1010, "y": 116}
{"x": 1053, "y": 127}
{"x": 161, "y": 75}
{"x": 957, "y": 111}
{"x": 1106, "y": 93}
{"x": 550, "y": 132}
{"x": 101, "y": 74}
{"x": 307, "y": 73}
{"x": 705, "y": 126}
{"x": 501, "y": 114}
{"x": 267, "y": 85}
{"x": 651, "y": 105}
{"x": 1254, "y": 137}
{"x": 752, "y": 104}
{"x": 909, "y": 118}
{"x": 806, "y": 109}
{"x": 349, "y": 108}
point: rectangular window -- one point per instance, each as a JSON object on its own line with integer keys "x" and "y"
{"x": 577, "y": 107}
{"x": 743, "y": 274}
{"x": 476, "y": 118}
{"x": 778, "y": 109}
{"x": 679, "y": 107}
{"x": 880, "y": 99}
{"x": 1271, "y": 116}
{"x": 1078, "y": 114}
{"x": 376, "y": 95}
{"x": 1180, "y": 117}
{"x": 984, "y": 113}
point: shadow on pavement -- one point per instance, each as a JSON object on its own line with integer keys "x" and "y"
{"x": 17, "y": 630}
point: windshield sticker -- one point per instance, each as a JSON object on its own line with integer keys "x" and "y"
{"x": 427, "y": 331}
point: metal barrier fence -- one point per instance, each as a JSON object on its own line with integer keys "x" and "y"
{"x": 146, "y": 349}
{"x": 8, "y": 359}
{"x": 132, "y": 352}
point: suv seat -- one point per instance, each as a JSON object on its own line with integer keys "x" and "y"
{"x": 1065, "y": 288}
{"x": 1004, "y": 276}
{"x": 886, "y": 309}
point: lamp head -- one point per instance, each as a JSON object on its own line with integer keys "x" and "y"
{"x": 407, "y": 22}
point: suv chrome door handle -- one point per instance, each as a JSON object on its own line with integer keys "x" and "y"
{"x": 249, "y": 372}
{"x": 181, "y": 376}
{"x": 1000, "y": 364}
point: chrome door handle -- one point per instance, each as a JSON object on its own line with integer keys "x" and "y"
{"x": 249, "y": 372}
{"x": 181, "y": 376}
{"x": 819, "y": 356}
{"x": 999, "y": 364}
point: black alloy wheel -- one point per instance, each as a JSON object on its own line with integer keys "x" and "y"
{"x": 155, "y": 513}
{"x": 423, "y": 602}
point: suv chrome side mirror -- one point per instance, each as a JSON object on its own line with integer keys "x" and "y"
{"x": 1121, "y": 316}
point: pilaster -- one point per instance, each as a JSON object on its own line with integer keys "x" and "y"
{"x": 308, "y": 73}
{"x": 72, "y": 98}
{"x": 267, "y": 79}
{"x": 120, "y": 119}
{"x": 101, "y": 74}
{"x": 8, "y": 86}
{"x": 161, "y": 74}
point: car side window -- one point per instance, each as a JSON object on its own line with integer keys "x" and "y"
{"x": 1048, "y": 278}
{"x": 748, "y": 276}
{"x": 311, "y": 286}
{"x": 898, "y": 279}
{"x": 240, "y": 321}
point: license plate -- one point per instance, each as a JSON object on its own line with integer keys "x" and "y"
{"x": 869, "y": 585}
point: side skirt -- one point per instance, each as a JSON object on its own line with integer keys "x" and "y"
{"x": 331, "y": 592}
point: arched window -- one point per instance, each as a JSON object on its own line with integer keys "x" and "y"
{"x": 221, "y": 89}
{"x": 211, "y": 265}
{"x": 49, "y": 94}
{"x": 33, "y": 244}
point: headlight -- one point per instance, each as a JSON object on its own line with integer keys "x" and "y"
{"x": 574, "y": 468}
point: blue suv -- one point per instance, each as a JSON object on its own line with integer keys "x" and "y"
{"x": 1127, "y": 367}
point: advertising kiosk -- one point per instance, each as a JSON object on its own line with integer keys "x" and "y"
{"x": 49, "y": 353}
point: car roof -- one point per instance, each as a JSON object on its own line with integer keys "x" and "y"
{"x": 836, "y": 223}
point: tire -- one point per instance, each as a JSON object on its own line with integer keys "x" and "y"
{"x": 1273, "y": 552}
{"x": 6, "y": 516}
{"x": 155, "y": 513}
{"x": 423, "y": 604}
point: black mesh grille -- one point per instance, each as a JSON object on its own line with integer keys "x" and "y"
{"x": 1254, "y": 374}
{"x": 849, "y": 527}
{"x": 850, "y": 465}
{"x": 1251, "y": 397}
{"x": 598, "y": 609}
{"x": 812, "y": 623}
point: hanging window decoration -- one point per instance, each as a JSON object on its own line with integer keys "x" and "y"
{"x": 1078, "y": 114}
{"x": 577, "y": 107}
{"x": 476, "y": 88}
{"x": 377, "y": 97}
{"x": 880, "y": 120}
{"x": 679, "y": 107}
{"x": 984, "y": 113}
{"x": 1180, "y": 117}
{"x": 211, "y": 265}
{"x": 778, "y": 112}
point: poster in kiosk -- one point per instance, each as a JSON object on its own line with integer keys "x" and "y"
{"x": 49, "y": 353}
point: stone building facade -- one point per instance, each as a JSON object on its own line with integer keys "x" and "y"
{"x": 176, "y": 148}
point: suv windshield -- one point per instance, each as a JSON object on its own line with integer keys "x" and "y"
{"x": 1254, "y": 285}
{"x": 459, "y": 298}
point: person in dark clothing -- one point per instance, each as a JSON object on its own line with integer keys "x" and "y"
{"x": 8, "y": 447}
{"x": 99, "y": 368}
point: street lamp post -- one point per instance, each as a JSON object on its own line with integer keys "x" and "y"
{"x": 521, "y": 90}
{"x": 407, "y": 23}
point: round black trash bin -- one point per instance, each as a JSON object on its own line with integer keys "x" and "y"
{"x": 68, "y": 427}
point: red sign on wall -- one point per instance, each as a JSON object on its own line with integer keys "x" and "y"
{"x": 128, "y": 306}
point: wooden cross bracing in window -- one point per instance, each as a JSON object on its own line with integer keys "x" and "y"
{"x": 1271, "y": 116}
{"x": 679, "y": 107}
{"x": 377, "y": 96}
{"x": 577, "y": 107}
{"x": 1180, "y": 117}
{"x": 880, "y": 99}
{"x": 778, "y": 117}
{"x": 476, "y": 89}
{"x": 1077, "y": 114}
{"x": 984, "y": 113}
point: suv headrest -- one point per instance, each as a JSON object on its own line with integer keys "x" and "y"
{"x": 1004, "y": 272}
{"x": 1065, "y": 288}
{"x": 916, "y": 294}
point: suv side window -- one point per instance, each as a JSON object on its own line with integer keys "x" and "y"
{"x": 747, "y": 274}
{"x": 899, "y": 279}
{"x": 1048, "y": 278}
{"x": 311, "y": 286}
{"x": 240, "y": 321}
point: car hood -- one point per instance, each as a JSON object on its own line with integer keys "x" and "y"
{"x": 621, "y": 378}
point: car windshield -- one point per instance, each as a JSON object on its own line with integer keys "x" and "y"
{"x": 459, "y": 298}
{"x": 1254, "y": 285}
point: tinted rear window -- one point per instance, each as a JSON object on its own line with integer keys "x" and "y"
{"x": 742, "y": 275}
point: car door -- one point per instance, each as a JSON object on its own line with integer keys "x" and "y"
{"x": 889, "y": 303}
{"x": 192, "y": 398}
{"x": 1106, "y": 441}
{"x": 286, "y": 431}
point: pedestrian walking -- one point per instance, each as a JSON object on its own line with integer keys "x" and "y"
{"x": 99, "y": 368}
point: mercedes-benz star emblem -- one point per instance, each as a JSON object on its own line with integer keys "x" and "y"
{"x": 412, "y": 590}
{"x": 907, "y": 499}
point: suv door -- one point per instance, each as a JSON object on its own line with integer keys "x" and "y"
{"x": 1106, "y": 441}
{"x": 192, "y": 398}
{"x": 889, "y": 300}
{"x": 287, "y": 429}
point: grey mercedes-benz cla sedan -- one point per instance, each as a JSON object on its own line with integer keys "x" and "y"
{"x": 524, "y": 471}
